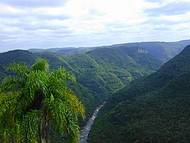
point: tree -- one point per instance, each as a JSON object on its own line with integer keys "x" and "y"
{"x": 33, "y": 99}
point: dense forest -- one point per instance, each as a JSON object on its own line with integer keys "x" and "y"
{"x": 151, "y": 109}
{"x": 114, "y": 73}
{"x": 99, "y": 72}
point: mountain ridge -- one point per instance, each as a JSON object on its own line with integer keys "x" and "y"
{"x": 164, "y": 50}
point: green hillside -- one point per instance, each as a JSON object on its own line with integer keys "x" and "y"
{"x": 154, "y": 109}
{"x": 99, "y": 72}
{"x": 162, "y": 51}
{"x": 132, "y": 110}
{"x": 106, "y": 70}
{"x": 16, "y": 56}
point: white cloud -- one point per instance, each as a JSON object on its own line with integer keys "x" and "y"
{"x": 176, "y": 18}
{"x": 86, "y": 22}
{"x": 7, "y": 9}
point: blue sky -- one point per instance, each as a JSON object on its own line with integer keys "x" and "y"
{"x": 26, "y": 24}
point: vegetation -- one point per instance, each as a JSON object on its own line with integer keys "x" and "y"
{"x": 103, "y": 71}
{"x": 99, "y": 72}
{"x": 33, "y": 100}
{"x": 162, "y": 51}
{"x": 151, "y": 109}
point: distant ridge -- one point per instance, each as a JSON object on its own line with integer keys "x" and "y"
{"x": 161, "y": 50}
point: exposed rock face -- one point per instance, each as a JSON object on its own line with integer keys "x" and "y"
{"x": 142, "y": 50}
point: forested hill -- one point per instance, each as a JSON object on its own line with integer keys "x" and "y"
{"x": 99, "y": 72}
{"x": 152, "y": 109}
{"x": 161, "y": 50}
{"x": 16, "y": 56}
{"x": 105, "y": 70}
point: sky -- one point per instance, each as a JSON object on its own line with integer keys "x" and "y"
{"x": 26, "y": 24}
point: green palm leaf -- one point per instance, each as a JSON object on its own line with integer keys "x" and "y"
{"x": 33, "y": 99}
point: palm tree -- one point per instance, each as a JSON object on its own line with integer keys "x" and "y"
{"x": 33, "y": 99}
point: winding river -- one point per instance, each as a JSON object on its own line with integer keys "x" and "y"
{"x": 85, "y": 131}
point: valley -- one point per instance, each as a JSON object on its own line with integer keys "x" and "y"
{"x": 107, "y": 73}
{"x": 94, "y": 71}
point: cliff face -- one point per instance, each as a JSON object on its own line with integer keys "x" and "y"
{"x": 142, "y": 50}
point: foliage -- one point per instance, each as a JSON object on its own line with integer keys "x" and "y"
{"x": 162, "y": 51}
{"x": 32, "y": 99}
{"x": 151, "y": 109}
{"x": 99, "y": 72}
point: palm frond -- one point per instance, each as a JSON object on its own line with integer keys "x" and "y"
{"x": 32, "y": 96}
{"x": 41, "y": 64}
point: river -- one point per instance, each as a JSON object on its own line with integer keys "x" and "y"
{"x": 85, "y": 131}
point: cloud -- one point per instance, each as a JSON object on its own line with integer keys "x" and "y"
{"x": 170, "y": 9}
{"x": 33, "y": 3}
{"x": 58, "y": 23}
